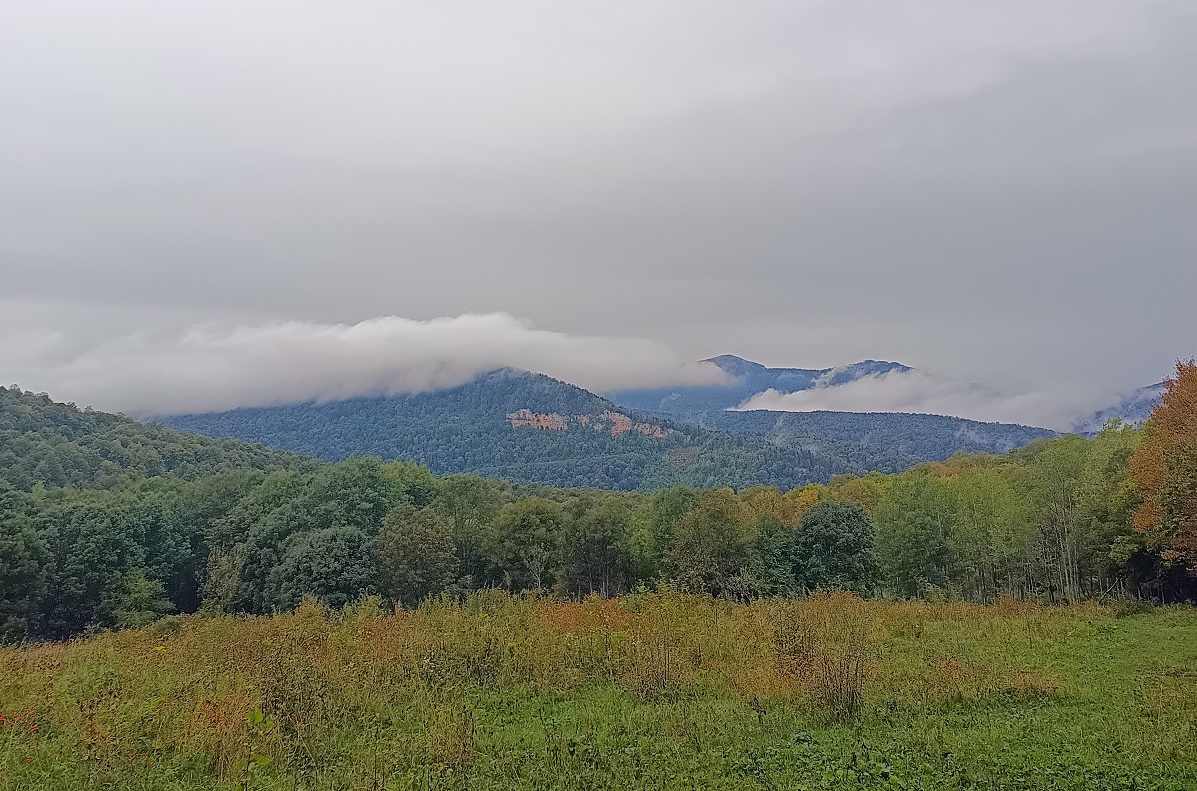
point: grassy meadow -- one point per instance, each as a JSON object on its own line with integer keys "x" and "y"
{"x": 652, "y": 691}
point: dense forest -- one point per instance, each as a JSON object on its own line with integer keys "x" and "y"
{"x": 881, "y": 441}
{"x": 1058, "y": 520}
{"x": 54, "y": 444}
{"x": 529, "y": 428}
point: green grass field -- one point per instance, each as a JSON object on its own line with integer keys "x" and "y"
{"x": 647, "y": 692}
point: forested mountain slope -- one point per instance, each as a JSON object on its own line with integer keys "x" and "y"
{"x": 904, "y": 436}
{"x": 42, "y": 441}
{"x": 529, "y": 428}
{"x": 524, "y": 427}
{"x": 1134, "y": 409}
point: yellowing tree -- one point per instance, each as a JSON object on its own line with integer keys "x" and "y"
{"x": 767, "y": 502}
{"x": 1165, "y": 470}
{"x": 807, "y": 496}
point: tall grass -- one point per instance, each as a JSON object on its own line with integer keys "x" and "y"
{"x": 369, "y": 696}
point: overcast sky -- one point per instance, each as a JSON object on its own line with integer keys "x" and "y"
{"x": 1000, "y": 192}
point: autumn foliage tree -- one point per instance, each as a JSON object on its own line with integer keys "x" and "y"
{"x": 1165, "y": 470}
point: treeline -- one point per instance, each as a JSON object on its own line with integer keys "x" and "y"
{"x": 252, "y": 542}
{"x": 1058, "y": 520}
{"x": 1051, "y": 522}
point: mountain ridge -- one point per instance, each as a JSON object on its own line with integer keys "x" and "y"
{"x": 748, "y": 378}
{"x": 1134, "y": 408}
{"x": 531, "y": 428}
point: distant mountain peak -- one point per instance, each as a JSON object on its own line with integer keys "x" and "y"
{"x": 888, "y": 364}
{"x": 1134, "y": 408}
{"x": 727, "y": 359}
{"x": 746, "y": 379}
{"x": 736, "y": 366}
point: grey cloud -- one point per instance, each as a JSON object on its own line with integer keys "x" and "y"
{"x": 920, "y": 392}
{"x": 994, "y": 190}
{"x": 209, "y": 368}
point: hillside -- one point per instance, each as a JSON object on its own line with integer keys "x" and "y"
{"x": 1135, "y": 408}
{"x": 524, "y": 427}
{"x": 42, "y": 441}
{"x": 529, "y": 428}
{"x": 746, "y": 380}
{"x": 905, "y": 436}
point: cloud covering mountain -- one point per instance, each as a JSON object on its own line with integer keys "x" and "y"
{"x": 208, "y": 368}
{"x": 1134, "y": 407}
{"x": 913, "y": 391}
{"x": 211, "y": 367}
{"x": 987, "y": 189}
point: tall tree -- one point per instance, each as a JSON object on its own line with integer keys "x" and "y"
{"x": 767, "y": 502}
{"x": 1165, "y": 470}
{"x": 1106, "y": 500}
{"x": 914, "y": 522}
{"x": 415, "y": 483}
{"x": 332, "y": 564}
{"x": 834, "y": 548}
{"x": 1051, "y": 486}
{"x": 866, "y": 491}
{"x": 415, "y": 554}
{"x": 22, "y": 568}
{"x": 134, "y": 600}
{"x": 993, "y": 534}
{"x": 709, "y": 544}
{"x": 593, "y": 548}
{"x": 471, "y": 502}
{"x": 522, "y": 542}
{"x": 771, "y": 558}
{"x": 358, "y": 492}
{"x": 88, "y": 552}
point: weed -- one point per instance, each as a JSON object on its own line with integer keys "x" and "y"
{"x": 655, "y": 690}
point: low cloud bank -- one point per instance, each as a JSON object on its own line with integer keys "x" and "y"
{"x": 919, "y": 392}
{"x": 208, "y": 368}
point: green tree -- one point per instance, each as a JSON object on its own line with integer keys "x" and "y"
{"x": 913, "y": 527}
{"x": 522, "y": 542}
{"x": 592, "y": 548}
{"x": 1051, "y": 487}
{"x": 357, "y": 492}
{"x": 993, "y": 533}
{"x": 261, "y": 497}
{"x": 1106, "y": 501}
{"x": 22, "y": 568}
{"x": 415, "y": 483}
{"x": 771, "y": 558}
{"x": 88, "y": 550}
{"x": 867, "y": 492}
{"x": 414, "y": 555}
{"x": 834, "y": 549}
{"x": 708, "y": 548}
{"x": 653, "y": 522}
{"x": 171, "y": 541}
{"x": 332, "y": 564}
{"x": 134, "y": 600}
{"x": 255, "y": 560}
{"x": 472, "y": 503}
